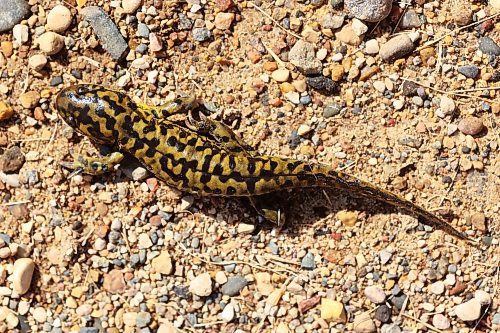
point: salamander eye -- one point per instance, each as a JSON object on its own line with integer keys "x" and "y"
{"x": 81, "y": 90}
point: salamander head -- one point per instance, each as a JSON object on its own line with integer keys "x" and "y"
{"x": 92, "y": 110}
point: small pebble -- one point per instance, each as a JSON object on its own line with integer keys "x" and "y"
{"x": 489, "y": 46}
{"x": 470, "y": 71}
{"x": 440, "y": 322}
{"x": 22, "y": 273}
{"x": 308, "y": 262}
{"x": 201, "y": 285}
{"x": 471, "y": 126}
{"x": 130, "y": 6}
{"x": 234, "y": 285}
{"x": 333, "y": 311}
{"x": 375, "y": 294}
{"x": 37, "y": 62}
{"x": 50, "y": 42}
{"x": 59, "y": 19}
{"x": 280, "y": 75}
{"x": 303, "y": 56}
{"x": 364, "y": 324}
{"x": 227, "y": 314}
{"x": 397, "y": 47}
{"x": 106, "y": 30}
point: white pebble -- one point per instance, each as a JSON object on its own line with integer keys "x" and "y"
{"x": 483, "y": 297}
{"x": 469, "y": 311}
{"x": 40, "y": 315}
{"x": 20, "y": 32}
{"x": 201, "y": 285}
{"x": 227, "y": 314}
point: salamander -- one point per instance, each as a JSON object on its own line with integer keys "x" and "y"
{"x": 201, "y": 155}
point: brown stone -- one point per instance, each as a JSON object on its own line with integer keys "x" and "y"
{"x": 478, "y": 220}
{"x": 308, "y": 304}
{"x": 458, "y": 288}
{"x": 12, "y": 159}
{"x": 471, "y": 125}
{"x": 114, "y": 281}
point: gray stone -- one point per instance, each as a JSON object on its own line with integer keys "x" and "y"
{"x": 410, "y": 20}
{"x": 383, "y": 313}
{"x": 397, "y": 47}
{"x": 332, "y": 21}
{"x": 332, "y": 110}
{"x": 106, "y": 30}
{"x": 12, "y": 12}
{"x": 496, "y": 319}
{"x": 390, "y": 328}
{"x": 470, "y": 71}
{"x": 308, "y": 261}
{"x": 369, "y": 10}
{"x": 142, "y": 30}
{"x": 143, "y": 319}
{"x": 489, "y": 46}
{"x": 201, "y": 34}
{"x": 303, "y": 56}
{"x": 234, "y": 285}
{"x": 385, "y": 256}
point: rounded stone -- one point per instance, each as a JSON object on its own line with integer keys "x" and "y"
{"x": 130, "y": 6}
{"x": 281, "y": 75}
{"x": 22, "y": 274}
{"x": 469, "y": 311}
{"x": 397, "y": 47}
{"x": 59, "y": 19}
{"x": 471, "y": 125}
{"x": 50, "y": 42}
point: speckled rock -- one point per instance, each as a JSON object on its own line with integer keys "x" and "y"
{"x": 201, "y": 285}
{"x": 489, "y": 46}
{"x": 106, "y": 30}
{"x": 12, "y": 160}
{"x": 303, "y": 56}
{"x": 471, "y": 125}
{"x": 369, "y": 10}
{"x": 12, "y": 12}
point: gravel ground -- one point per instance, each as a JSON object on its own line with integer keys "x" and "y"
{"x": 403, "y": 95}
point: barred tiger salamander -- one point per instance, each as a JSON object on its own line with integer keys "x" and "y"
{"x": 201, "y": 156}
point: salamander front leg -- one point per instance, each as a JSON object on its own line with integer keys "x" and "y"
{"x": 219, "y": 131}
{"x": 171, "y": 107}
{"x": 94, "y": 165}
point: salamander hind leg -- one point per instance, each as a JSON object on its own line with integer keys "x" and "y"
{"x": 94, "y": 165}
{"x": 219, "y": 131}
{"x": 268, "y": 211}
